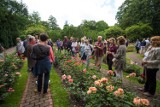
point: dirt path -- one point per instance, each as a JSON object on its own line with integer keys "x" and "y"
{"x": 136, "y": 58}
{"x": 10, "y": 50}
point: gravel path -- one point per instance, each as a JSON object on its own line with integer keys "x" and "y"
{"x": 10, "y": 50}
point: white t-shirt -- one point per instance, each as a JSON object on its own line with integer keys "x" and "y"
{"x": 74, "y": 45}
{"x": 87, "y": 49}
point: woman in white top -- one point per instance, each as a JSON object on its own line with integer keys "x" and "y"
{"x": 74, "y": 46}
{"x": 88, "y": 52}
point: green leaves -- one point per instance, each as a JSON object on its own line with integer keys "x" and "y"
{"x": 132, "y": 12}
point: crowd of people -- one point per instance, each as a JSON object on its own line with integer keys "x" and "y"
{"x": 40, "y": 56}
{"x": 113, "y": 49}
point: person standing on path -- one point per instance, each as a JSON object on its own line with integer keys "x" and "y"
{"x": 98, "y": 48}
{"x": 31, "y": 62}
{"x": 120, "y": 58}
{"x": 20, "y": 48}
{"x": 110, "y": 52}
{"x": 43, "y": 64}
{"x": 25, "y": 44}
{"x": 88, "y": 52}
{"x": 152, "y": 63}
{"x": 138, "y": 45}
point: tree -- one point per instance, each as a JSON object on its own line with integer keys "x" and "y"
{"x": 35, "y": 18}
{"x": 52, "y": 22}
{"x": 101, "y": 25}
{"x": 138, "y": 31}
{"x": 35, "y": 30}
{"x": 13, "y": 20}
{"x": 132, "y": 12}
{"x": 113, "y": 31}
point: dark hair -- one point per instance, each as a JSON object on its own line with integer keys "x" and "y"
{"x": 43, "y": 37}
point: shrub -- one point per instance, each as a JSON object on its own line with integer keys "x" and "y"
{"x": 8, "y": 73}
{"x": 89, "y": 88}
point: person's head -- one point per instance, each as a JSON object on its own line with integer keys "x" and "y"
{"x": 28, "y": 36}
{"x": 82, "y": 40}
{"x": 18, "y": 39}
{"x": 43, "y": 37}
{"x": 121, "y": 40}
{"x": 32, "y": 40}
{"x": 112, "y": 41}
{"x": 86, "y": 42}
{"x": 155, "y": 41}
{"x": 99, "y": 38}
{"x": 65, "y": 37}
{"x": 71, "y": 38}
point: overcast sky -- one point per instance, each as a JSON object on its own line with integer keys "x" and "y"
{"x": 74, "y": 11}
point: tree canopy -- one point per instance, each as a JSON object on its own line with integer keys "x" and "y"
{"x": 132, "y": 12}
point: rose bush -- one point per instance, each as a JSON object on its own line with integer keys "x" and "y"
{"x": 89, "y": 88}
{"x": 8, "y": 73}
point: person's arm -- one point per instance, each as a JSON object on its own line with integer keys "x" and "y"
{"x": 51, "y": 56}
{"x": 101, "y": 46}
{"x": 118, "y": 54}
{"x": 157, "y": 59}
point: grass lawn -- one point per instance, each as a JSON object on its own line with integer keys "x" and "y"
{"x": 59, "y": 93}
{"x": 15, "y": 98}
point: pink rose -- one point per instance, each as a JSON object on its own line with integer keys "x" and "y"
{"x": 69, "y": 77}
{"x": 70, "y": 80}
{"x": 64, "y": 77}
{"x": 137, "y": 101}
{"x": 94, "y": 77}
{"x": 97, "y": 83}
{"x": 145, "y": 102}
{"x": 85, "y": 70}
{"x": 104, "y": 80}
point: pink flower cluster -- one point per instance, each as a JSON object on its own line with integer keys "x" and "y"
{"x": 92, "y": 90}
{"x": 119, "y": 92}
{"x": 110, "y": 88}
{"x": 100, "y": 81}
{"x": 10, "y": 90}
{"x": 131, "y": 75}
{"x": 85, "y": 70}
{"x": 69, "y": 78}
{"x": 110, "y": 72}
{"x": 139, "y": 101}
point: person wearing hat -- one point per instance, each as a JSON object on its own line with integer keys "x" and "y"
{"x": 152, "y": 63}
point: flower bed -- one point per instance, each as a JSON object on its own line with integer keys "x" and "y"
{"x": 9, "y": 71}
{"x": 89, "y": 88}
